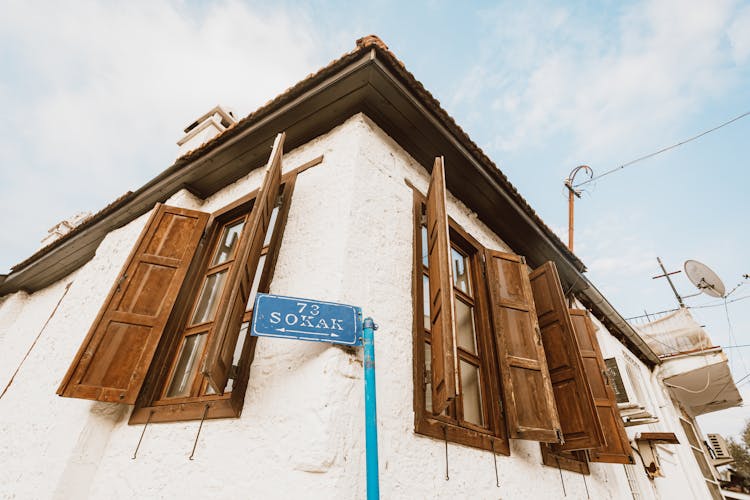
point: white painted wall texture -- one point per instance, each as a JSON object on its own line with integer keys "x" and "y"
{"x": 349, "y": 238}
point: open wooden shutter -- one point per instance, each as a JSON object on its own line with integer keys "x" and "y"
{"x": 529, "y": 402}
{"x": 115, "y": 356}
{"x": 575, "y": 403}
{"x": 617, "y": 448}
{"x": 442, "y": 327}
{"x": 231, "y": 308}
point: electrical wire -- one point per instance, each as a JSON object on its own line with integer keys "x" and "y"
{"x": 663, "y": 150}
{"x": 736, "y": 383}
{"x": 708, "y": 379}
{"x": 691, "y": 391}
{"x": 702, "y": 306}
{"x": 719, "y": 304}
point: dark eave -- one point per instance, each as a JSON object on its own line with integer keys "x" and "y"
{"x": 370, "y": 80}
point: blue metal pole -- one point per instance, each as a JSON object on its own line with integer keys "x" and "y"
{"x": 371, "y": 421}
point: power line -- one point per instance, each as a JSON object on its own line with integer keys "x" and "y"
{"x": 736, "y": 384}
{"x": 704, "y": 306}
{"x": 719, "y": 304}
{"x": 663, "y": 150}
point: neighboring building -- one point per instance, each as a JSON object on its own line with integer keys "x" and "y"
{"x": 488, "y": 384}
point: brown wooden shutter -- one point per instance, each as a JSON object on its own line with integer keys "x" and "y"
{"x": 575, "y": 403}
{"x": 115, "y": 356}
{"x": 231, "y": 308}
{"x": 442, "y": 327}
{"x": 529, "y": 402}
{"x": 617, "y": 448}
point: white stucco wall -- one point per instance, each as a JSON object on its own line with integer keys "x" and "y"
{"x": 682, "y": 477}
{"x": 349, "y": 238}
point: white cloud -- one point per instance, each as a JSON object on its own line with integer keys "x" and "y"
{"x": 103, "y": 91}
{"x": 600, "y": 79}
{"x": 739, "y": 36}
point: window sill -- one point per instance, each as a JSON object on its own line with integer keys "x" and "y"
{"x": 461, "y": 435}
{"x": 217, "y": 408}
{"x": 573, "y": 461}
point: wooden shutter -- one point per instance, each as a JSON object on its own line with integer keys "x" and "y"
{"x": 617, "y": 448}
{"x": 231, "y": 308}
{"x": 575, "y": 403}
{"x": 529, "y": 402}
{"x": 115, "y": 356}
{"x": 442, "y": 327}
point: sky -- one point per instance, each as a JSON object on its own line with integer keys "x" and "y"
{"x": 95, "y": 94}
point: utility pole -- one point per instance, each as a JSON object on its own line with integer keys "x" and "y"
{"x": 574, "y": 193}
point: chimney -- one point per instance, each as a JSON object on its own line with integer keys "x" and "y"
{"x": 205, "y": 128}
{"x": 64, "y": 227}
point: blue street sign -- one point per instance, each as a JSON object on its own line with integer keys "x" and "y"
{"x": 305, "y": 319}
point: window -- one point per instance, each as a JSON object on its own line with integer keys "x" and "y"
{"x": 633, "y": 400}
{"x": 458, "y": 391}
{"x": 615, "y": 378}
{"x": 496, "y": 353}
{"x": 700, "y": 456}
{"x": 172, "y": 334}
{"x": 180, "y": 388}
{"x": 471, "y": 417}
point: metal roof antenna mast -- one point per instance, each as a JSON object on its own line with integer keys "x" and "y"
{"x": 574, "y": 193}
{"x": 667, "y": 275}
{"x": 700, "y": 275}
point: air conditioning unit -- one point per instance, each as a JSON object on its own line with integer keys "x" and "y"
{"x": 719, "y": 449}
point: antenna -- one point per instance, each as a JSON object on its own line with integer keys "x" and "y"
{"x": 705, "y": 279}
{"x": 667, "y": 275}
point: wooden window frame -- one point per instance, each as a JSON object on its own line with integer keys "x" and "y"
{"x": 493, "y": 436}
{"x": 688, "y": 427}
{"x": 574, "y": 461}
{"x": 148, "y": 407}
{"x": 152, "y": 405}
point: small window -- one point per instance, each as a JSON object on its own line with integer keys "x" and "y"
{"x": 615, "y": 378}
{"x": 171, "y": 336}
{"x": 472, "y": 407}
{"x": 182, "y": 391}
{"x": 465, "y": 339}
{"x": 699, "y": 453}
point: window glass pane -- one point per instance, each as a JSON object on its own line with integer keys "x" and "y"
{"x": 460, "y": 271}
{"x": 425, "y": 259}
{"x": 256, "y": 282}
{"x": 206, "y": 307}
{"x": 236, "y": 357}
{"x": 703, "y": 464}
{"x": 271, "y": 226}
{"x": 426, "y": 301}
{"x": 428, "y": 378}
{"x": 187, "y": 365}
{"x": 692, "y": 438}
{"x": 471, "y": 394}
{"x": 228, "y": 243}
{"x": 715, "y": 490}
{"x": 465, "y": 326}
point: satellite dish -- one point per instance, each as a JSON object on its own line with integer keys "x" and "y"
{"x": 704, "y": 278}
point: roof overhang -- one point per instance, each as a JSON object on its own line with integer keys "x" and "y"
{"x": 372, "y": 81}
